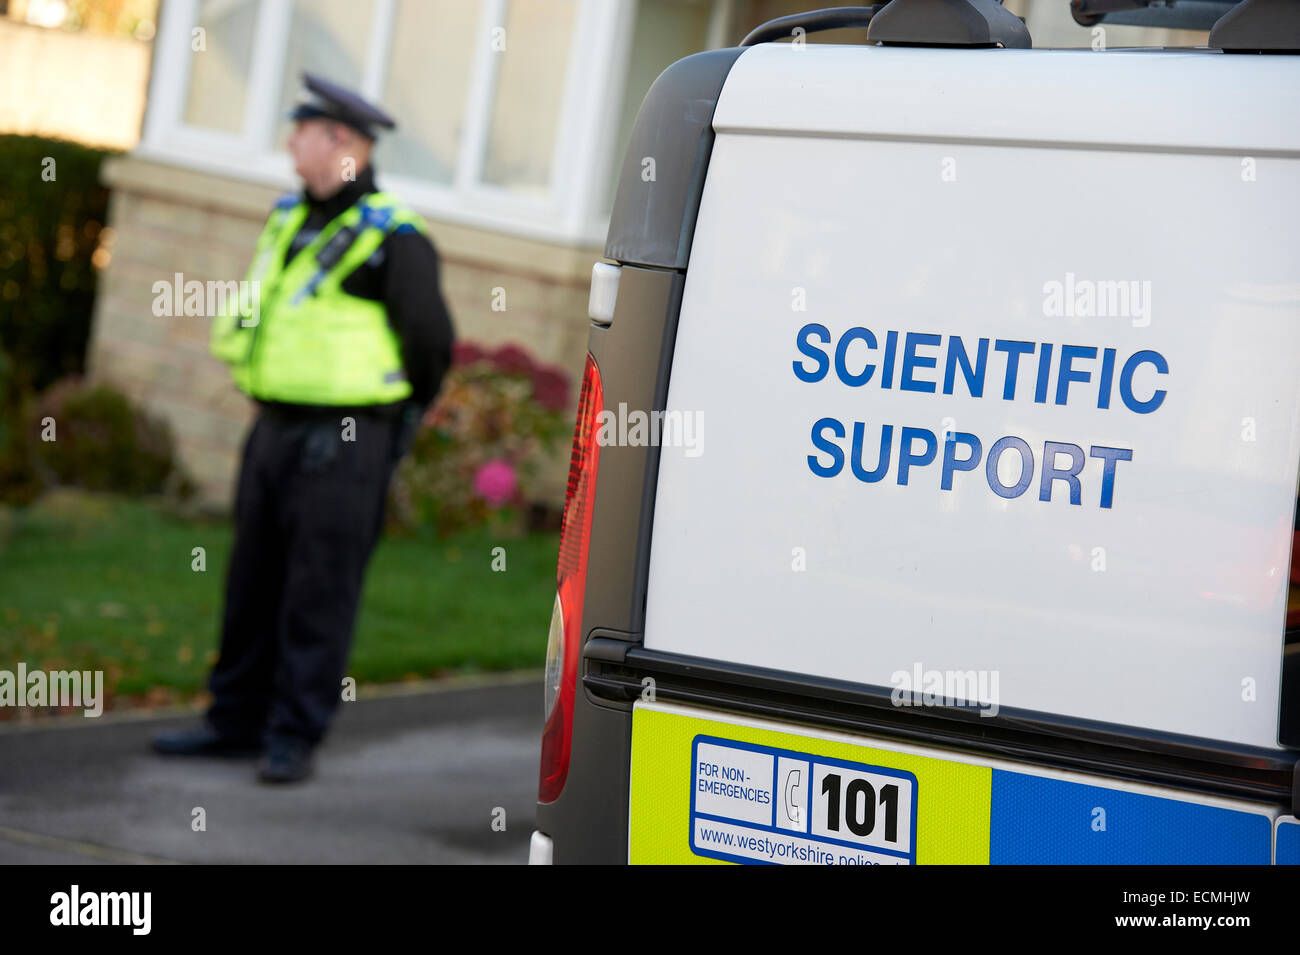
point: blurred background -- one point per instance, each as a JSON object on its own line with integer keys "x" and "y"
{"x": 139, "y": 140}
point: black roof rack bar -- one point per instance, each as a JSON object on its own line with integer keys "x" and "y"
{"x": 959, "y": 24}
{"x": 1175, "y": 15}
{"x": 813, "y": 21}
{"x": 1259, "y": 26}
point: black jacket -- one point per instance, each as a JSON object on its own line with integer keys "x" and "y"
{"x": 403, "y": 274}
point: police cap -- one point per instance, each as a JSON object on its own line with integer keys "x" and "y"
{"x": 320, "y": 98}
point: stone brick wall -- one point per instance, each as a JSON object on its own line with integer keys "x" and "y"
{"x": 167, "y": 220}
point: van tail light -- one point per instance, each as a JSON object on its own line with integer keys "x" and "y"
{"x": 564, "y": 643}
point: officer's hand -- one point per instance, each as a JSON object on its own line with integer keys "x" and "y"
{"x": 320, "y": 446}
{"x": 408, "y": 426}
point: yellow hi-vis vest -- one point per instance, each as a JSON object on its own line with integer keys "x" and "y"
{"x": 294, "y": 335}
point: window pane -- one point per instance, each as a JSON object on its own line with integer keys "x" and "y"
{"x": 219, "y": 70}
{"x": 529, "y": 90}
{"x": 428, "y": 77}
{"x": 664, "y": 32}
{"x": 329, "y": 38}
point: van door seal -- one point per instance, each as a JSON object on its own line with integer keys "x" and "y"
{"x": 1040, "y": 738}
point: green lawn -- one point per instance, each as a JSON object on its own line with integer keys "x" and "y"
{"x": 93, "y": 582}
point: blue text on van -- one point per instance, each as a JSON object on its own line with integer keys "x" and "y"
{"x": 962, "y": 451}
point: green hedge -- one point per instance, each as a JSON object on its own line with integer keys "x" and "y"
{"x": 49, "y": 231}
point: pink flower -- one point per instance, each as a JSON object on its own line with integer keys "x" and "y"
{"x": 495, "y": 482}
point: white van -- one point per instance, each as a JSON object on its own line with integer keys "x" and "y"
{"x": 933, "y": 493}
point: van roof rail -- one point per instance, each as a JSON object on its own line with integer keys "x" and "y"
{"x": 948, "y": 23}
{"x": 812, "y": 21}
{"x": 1259, "y": 26}
{"x": 955, "y": 23}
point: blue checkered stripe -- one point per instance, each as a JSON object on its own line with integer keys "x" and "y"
{"x": 1041, "y": 821}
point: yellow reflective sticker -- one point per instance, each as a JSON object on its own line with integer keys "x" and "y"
{"x": 952, "y": 800}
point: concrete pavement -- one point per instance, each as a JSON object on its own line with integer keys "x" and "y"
{"x": 406, "y": 777}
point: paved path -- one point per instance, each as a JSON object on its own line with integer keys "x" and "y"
{"x": 412, "y": 777}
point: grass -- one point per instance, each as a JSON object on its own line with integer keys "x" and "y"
{"x": 94, "y": 582}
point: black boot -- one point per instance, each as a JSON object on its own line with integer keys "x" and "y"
{"x": 287, "y": 760}
{"x": 204, "y": 741}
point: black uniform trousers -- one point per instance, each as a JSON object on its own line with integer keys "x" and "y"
{"x": 309, "y": 509}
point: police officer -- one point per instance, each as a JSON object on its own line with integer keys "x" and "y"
{"x": 347, "y": 347}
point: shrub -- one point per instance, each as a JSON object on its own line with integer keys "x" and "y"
{"x": 52, "y": 211}
{"x": 101, "y": 442}
{"x": 480, "y": 448}
{"x": 19, "y": 483}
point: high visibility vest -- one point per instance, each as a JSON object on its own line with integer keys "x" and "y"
{"x": 295, "y": 336}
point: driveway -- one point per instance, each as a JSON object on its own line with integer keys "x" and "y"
{"x": 443, "y": 772}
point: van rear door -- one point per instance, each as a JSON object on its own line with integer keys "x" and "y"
{"x": 990, "y": 362}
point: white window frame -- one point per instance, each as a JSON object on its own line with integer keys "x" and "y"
{"x": 588, "y": 119}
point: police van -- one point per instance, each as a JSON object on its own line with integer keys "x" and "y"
{"x": 933, "y": 488}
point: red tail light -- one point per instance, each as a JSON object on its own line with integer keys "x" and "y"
{"x": 565, "y": 638}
